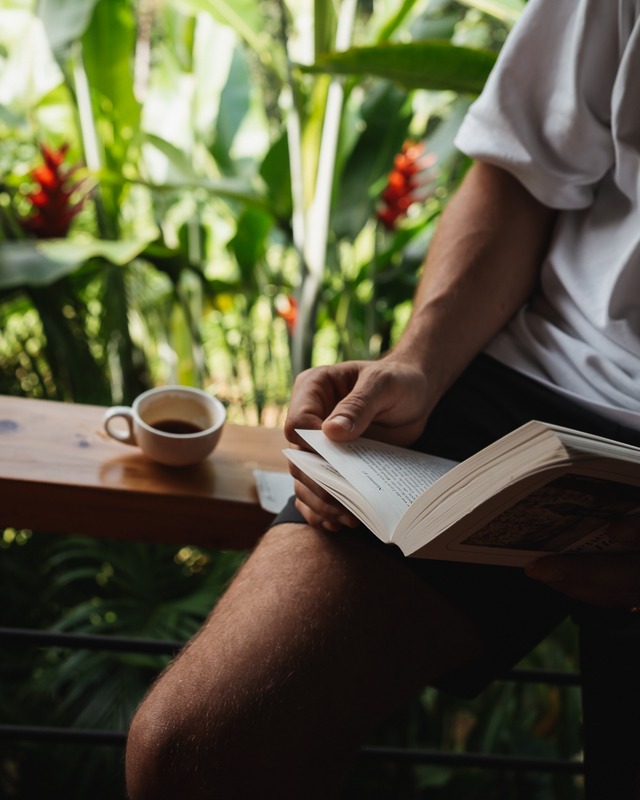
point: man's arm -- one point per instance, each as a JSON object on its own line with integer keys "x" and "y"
{"x": 482, "y": 266}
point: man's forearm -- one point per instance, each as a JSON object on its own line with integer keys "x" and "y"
{"x": 482, "y": 266}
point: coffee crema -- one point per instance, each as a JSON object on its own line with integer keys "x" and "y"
{"x": 179, "y": 426}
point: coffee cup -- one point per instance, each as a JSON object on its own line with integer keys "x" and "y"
{"x": 174, "y": 425}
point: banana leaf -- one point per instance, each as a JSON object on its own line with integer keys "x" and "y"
{"x": 41, "y": 263}
{"x": 237, "y": 189}
{"x": 436, "y": 65}
{"x": 244, "y": 16}
{"x": 65, "y": 21}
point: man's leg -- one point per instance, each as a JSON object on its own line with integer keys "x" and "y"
{"x": 317, "y": 640}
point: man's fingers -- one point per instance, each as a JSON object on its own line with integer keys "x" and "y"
{"x": 352, "y": 416}
{"x": 320, "y": 509}
{"x": 373, "y": 394}
{"x": 315, "y": 520}
{"x": 385, "y": 404}
{"x": 317, "y": 506}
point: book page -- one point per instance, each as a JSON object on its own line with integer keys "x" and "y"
{"x": 330, "y": 479}
{"x": 390, "y": 477}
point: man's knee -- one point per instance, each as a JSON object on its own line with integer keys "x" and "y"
{"x": 233, "y": 749}
{"x": 146, "y": 750}
{"x": 177, "y": 748}
{"x": 216, "y": 708}
{"x": 155, "y": 758}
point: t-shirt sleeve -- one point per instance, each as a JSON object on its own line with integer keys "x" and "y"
{"x": 545, "y": 112}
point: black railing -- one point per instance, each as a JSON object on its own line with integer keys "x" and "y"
{"x": 406, "y": 755}
{"x": 85, "y": 641}
{"x": 127, "y": 644}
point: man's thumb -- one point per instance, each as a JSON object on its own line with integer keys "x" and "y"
{"x": 349, "y": 419}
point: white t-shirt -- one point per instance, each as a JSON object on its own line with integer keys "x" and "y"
{"x": 561, "y": 112}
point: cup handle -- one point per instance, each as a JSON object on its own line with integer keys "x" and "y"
{"x": 122, "y": 436}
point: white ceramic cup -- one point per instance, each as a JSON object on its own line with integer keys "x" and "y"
{"x": 175, "y": 425}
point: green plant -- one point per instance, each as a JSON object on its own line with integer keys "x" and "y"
{"x": 276, "y": 156}
{"x": 92, "y": 586}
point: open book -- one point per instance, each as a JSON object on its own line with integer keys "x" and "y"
{"x": 540, "y": 489}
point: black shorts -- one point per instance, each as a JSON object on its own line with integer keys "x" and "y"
{"x": 513, "y": 611}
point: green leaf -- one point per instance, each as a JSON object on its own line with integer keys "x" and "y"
{"x": 394, "y": 22}
{"x": 505, "y": 10}
{"x": 249, "y": 242}
{"x": 434, "y": 65}
{"x": 386, "y": 119}
{"x": 178, "y": 159}
{"x": 243, "y": 16}
{"x": 65, "y": 21}
{"x": 238, "y": 189}
{"x": 109, "y": 45}
{"x": 234, "y": 106}
{"x": 28, "y": 70}
{"x": 29, "y": 263}
{"x": 275, "y": 171}
{"x": 426, "y": 28}
{"x": 325, "y": 21}
{"x": 109, "y": 49}
{"x": 67, "y": 346}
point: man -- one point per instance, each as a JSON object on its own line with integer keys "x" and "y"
{"x": 528, "y": 307}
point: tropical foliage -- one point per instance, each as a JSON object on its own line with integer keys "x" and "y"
{"x": 217, "y": 193}
{"x": 223, "y": 172}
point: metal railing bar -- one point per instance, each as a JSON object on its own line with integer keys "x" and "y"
{"x": 87, "y": 641}
{"x": 369, "y": 752}
{"x": 481, "y": 760}
{"x": 554, "y": 677}
{"x": 131, "y": 644}
{"x": 62, "y": 735}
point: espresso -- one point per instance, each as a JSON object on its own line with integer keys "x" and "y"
{"x": 176, "y": 426}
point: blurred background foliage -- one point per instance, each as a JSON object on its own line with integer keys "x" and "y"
{"x": 221, "y": 193}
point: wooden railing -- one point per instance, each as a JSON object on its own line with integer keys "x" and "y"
{"x": 60, "y": 473}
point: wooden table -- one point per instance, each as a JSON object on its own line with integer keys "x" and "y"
{"x": 61, "y": 473}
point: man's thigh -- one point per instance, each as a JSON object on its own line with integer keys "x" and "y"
{"x": 317, "y": 639}
{"x": 331, "y": 620}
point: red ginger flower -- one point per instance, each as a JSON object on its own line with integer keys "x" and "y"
{"x": 403, "y": 182}
{"x": 52, "y": 209}
{"x": 287, "y": 309}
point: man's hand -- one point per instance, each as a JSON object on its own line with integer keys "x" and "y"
{"x": 609, "y": 579}
{"x": 385, "y": 400}
{"x": 467, "y": 292}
